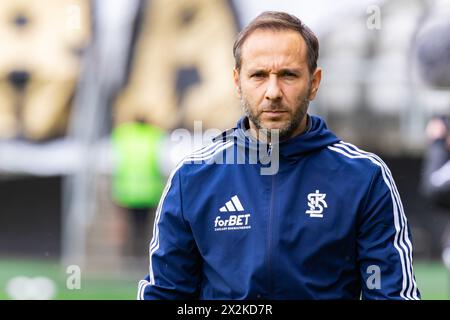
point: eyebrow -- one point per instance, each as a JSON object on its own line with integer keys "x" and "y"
{"x": 283, "y": 71}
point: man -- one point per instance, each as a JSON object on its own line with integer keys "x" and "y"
{"x": 326, "y": 223}
{"x": 436, "y": 178}
{"x": 137, "y": 182}
{"x": 436, "y": 171}
{"x": 432, "y": 56}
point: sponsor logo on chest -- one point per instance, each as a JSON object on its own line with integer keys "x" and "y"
{"x": 237, "y": 220}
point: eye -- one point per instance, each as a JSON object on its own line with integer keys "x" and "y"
{"x": 258, "y": 75}
{"x": 289, "y": 75}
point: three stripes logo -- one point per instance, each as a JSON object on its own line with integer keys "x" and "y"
{"x": 233, "y": 205}
{"x": 233, "y": 221}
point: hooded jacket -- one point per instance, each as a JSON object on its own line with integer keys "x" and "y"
{"x": 327, "y": 223}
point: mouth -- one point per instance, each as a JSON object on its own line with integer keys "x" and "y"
{"x": 274, "y": 113}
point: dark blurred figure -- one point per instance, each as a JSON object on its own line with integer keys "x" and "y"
{"x": 432, "y": 53}
{"x": 436, "y": 171}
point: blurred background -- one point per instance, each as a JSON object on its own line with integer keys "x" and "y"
{"x": 92, "y": 92}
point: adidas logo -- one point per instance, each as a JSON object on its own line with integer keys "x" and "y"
{"x": 233, "y": 221}
{"x": 233, "y": 205}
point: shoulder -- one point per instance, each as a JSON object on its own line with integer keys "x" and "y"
{"x": 365, "y": 167}
{"x": 352, "y": 156}
{"x": 204, "y": 156}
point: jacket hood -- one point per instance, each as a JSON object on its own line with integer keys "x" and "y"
{"x": 315, "y": 138}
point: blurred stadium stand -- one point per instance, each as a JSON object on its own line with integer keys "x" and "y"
{"x": 75, "y": 69}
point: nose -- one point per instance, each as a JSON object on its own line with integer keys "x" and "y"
{"x": 273, "y": 91}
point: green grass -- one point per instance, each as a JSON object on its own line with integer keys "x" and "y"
{"x": 92, "y": 287}
{"x": 432, "y": 278}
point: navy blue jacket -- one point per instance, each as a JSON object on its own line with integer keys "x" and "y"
{"x": 329, "y": 224}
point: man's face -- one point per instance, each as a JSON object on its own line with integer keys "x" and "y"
{"x": 274, "y": 83}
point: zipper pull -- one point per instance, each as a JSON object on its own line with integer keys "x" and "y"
{"x": 270, "y": 149}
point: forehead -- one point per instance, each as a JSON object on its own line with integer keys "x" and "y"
{"x": 265, "y": 48}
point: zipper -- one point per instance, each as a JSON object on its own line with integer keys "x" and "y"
{"x": 270, "y": 237}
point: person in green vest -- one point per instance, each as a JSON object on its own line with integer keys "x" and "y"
{"x": 137, "y": 182}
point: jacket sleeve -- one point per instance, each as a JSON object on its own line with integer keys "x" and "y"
{"x": 174, "y": 270}
{"x": 384, "y": 248}
{"x": 436, "y": 173}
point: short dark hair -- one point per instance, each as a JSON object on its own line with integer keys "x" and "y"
{"x": 275, "y": 20}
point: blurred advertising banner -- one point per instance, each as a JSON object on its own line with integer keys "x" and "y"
{"x": 40, "y": 65}
{"x": 182, "y": 66}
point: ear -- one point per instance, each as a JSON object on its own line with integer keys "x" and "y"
{"x": 236, "y": 82}
{"x": 315, "y": 83}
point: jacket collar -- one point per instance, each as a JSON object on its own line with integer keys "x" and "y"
{"x": 316, "y": 137}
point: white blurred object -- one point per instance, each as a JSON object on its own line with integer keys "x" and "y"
{"x": 432, "y": 46}
{"x": 59, "y": 157}
{"x": 114, "y": 21}
{"x": 24, "y": 288}
{"x": 446, "y": 257}
{"x": 389, "y": 89}
{"x": 343, "y": 61}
